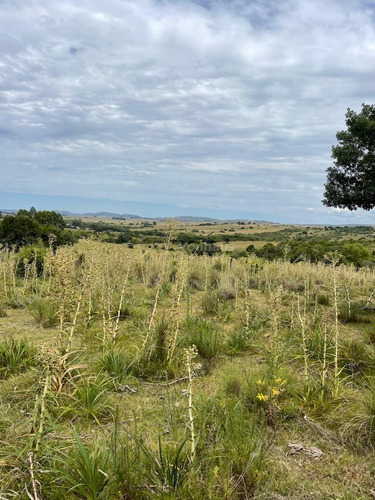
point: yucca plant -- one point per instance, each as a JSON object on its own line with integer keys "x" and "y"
{"x": 355, "y": 416}
{"x": 210, "y": 303}
{"x": 238, "y": 340}
{"x": 45, "y": 312}
{"x": 168, "y": 466}
{"x": 15, "y": 357}
{"x": 116, "y": 364}
{"x": 89, "y": 398}
{"x": 205, "y": 335}
{"x": 85, "y": 472}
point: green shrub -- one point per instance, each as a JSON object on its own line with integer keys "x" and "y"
{"x": 28, "y": 255}
{"x": 89, "y": 398}
{"x": 356, "y": 358}
{"x": 355, "y": 416}
{"x": 323, "y": 300}
{"x": 356, "y": 314}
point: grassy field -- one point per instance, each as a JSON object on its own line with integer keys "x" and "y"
{"x": 144, "y": 373}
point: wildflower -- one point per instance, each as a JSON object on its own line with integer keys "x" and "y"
{"x": 262, "y": 397}
{"x": 260, "y": 382}
{"x": 275, "y": 392}
{"x": 280, "y": 381}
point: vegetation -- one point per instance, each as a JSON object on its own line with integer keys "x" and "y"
{"x": 34, "y": 228}
{"x": 142, "y": 373}
{"x": 350, "y": 181}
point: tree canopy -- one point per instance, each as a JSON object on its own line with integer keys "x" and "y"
{"x": 32, "y": 227}
{"x": 351, "y": 179}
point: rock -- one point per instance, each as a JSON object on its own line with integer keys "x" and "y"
{"x": 310, "y": 451}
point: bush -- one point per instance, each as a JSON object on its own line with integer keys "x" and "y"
{"x": 29, "y": 255}
{"x": 323, "y": 300}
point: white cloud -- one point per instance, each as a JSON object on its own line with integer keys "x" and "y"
{"x": 231, "y": 104}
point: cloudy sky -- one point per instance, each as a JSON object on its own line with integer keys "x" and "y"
{"x": 223, "y": 108}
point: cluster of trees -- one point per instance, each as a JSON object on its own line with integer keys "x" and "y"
{"x": 30, "y": 227}
{"x": 315, "y": 251}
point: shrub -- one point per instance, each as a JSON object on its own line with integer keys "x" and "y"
{"x": 356, "y": 358}
{"x": 323, "y": 299}
{"x": 29, "y": 255}
{"x": 89, "y": 397}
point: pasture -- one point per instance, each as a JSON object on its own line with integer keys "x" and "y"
{"x": 137, "y": 373}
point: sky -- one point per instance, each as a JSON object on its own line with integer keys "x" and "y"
{"x": 221, "y": 108}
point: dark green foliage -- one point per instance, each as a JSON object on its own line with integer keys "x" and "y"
{"x": 356, "y": 314}
{"x": 168, "y": 466}
{"x": 19, "y": 231}
{"x": 89, "y": 396}
{"x": 49, "y": 218}
{"x": 29, "y": 228}
{"x": 350, "y": 181}
{"x": 15, "y": 357}
{"x": 30, "y": 255}
{"x": 239, "y": 340}
{"x": 316, "y": 250}
{"x": 357, "y": 358}
{"x": 323, "y": 300}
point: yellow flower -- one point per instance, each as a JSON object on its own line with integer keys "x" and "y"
{"x": 280, "y": 381}
{"x": 260, "y": 382}
{"x": 275, "y": 392}
{"x": 262, "y": 397}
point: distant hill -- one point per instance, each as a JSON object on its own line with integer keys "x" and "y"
{"x": 192, "y": 218}
{"x": 108, "y": 215}
{"x": 113, "y": 215}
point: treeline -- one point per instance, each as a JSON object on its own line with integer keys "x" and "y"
{"x": 30, "y": 227}
{"x": 315, "y": 251}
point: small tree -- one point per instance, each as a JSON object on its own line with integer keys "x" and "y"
{"x": 351, "y": 180}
